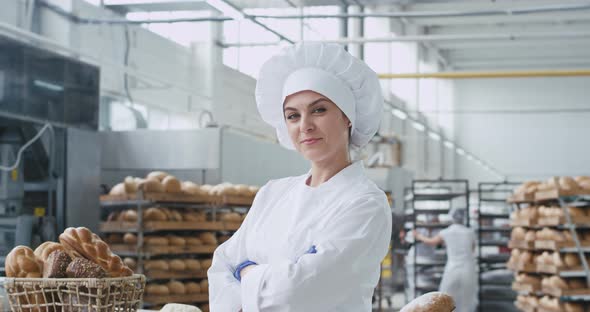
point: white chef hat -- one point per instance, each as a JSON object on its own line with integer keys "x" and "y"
{"x": 326, "y": 69}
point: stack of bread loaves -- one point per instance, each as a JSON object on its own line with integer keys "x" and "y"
{"x": 162, "y": 182}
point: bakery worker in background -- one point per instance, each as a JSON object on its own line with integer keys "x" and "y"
{"x": 312, "y": 242}
{"x": 460, "y": 277}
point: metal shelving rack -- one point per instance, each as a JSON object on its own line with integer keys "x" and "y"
{"x": 447, "y": 191}
{"x": 495, "y": 194}
{"x": 140, "y": 204}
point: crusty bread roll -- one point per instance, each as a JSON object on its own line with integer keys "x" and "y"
{"x": 208, "y": 238}
{"x": 206, "y": 264}
{"x": 544, "y": 259}
{"x": 528, "y": 279}
{"x": 159, "y": 175}
{"x": 43, "y": 251}
{"x": 548, "y": 302}
{"x": 175, "y": 216}
{"x": 192, "y": 288}
{"x": 130, "y": 239}
{"x": 155, "y": 241}
{"x": 156, "y": 265}
{"x": 21, "y": 262}
{"x": 154, "y": 214}
{"x": 114, "y": 238}
{"x": 192, "y": 264}
{"x": 557, "y": 260}
{"x": 171, "y": 185}
{"x": 157, "y": 290}
{"x": 571, "y": 260}
{"x": 174, "y": 240}
{"x": 253, "y": 190}
{"x": 431, "y": 302}
{"x": 56, "y": 264}
{"x": 82, "y": 242}
{"x": 176, "y": 288}
{"x": 193, "y": 241}
{"x": 206, "y": 188}
{"x": 151, "y": 185}
{"x": 118, "y": 190}
{"x": 242, "y": 190}
{"x": 177, "y": 265}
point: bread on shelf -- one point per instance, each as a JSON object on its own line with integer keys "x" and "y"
{"x": 171, "y": 185}
{"x": 177, "y": 265}
{"x": 157, "y": 290}
{"x": 176, "y": 288}
{"x": 156, "y": 265}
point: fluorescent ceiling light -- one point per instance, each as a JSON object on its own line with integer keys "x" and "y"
{"x": 418, "y": 126}
{"x": 479, "y": 162}
{"x": 435, "y": 136}
{"x": 469, "y": 157}
{"x": 449, "y": 144}
{"x": 48, "y": 85}
{"x": 399, "y": 113}
{"x": 226, "y": 9}
{"x": 460, "y": 151}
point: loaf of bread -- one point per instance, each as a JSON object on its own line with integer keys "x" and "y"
{"x": 177, "y": 265}
{"x": 253, "y": 190}
{"x": 205, "y": 308}
{"x": 158, "y": 175}
{"x": 155, "y": 241}
{"x": 242, "y": 190}
{"x": 431, "y": 302}
{"x": 176, "y": 216}
{"x": 193, "y": 241}
{"x": 525, "y": 258}
{"x": 156, "y": 265}
{"x": 558, "y": 282}
{"x": 192, "y": 264}
{"x": 21, "y": 262}
{"x": 223, "y": 238}
{"x": 544, "y": 259}
{"x": 118, "y": 190}
{"x": 171, "y": 185}
{"x": 527, "y": 187}
{"x": 81, "y": 242}
{"x": 206, "y": 264}
{"x": 154, "y": 214}
{"x": 576, "y": 284}
{"x": 208, "y": 238}
{"x": 514, "y": 256}
{"x": 529, "y": 213}
{"x": 174, "y": 240}
{"x": 176, "y": 288}
{"x": 557, "y": 260}
{"x": 195, "y": 216}
{"x": 231, "y": 217}
{"x": 84, "y": 268}
{"x": 571, "y": 260}
{"x": 157, "y": 290}
{"x": 192, "y": 288}
{"x": 530, "y": 236}
{"x": 191, "y": 188}
{"x": 129, "y": 215}
{"x": 130, "y": 239}
{"x": 568, "y": 184}
{"x": 113, "y": 238}
{"x": 44, "y": 250}
{"x": 550, "y": 303}
{"x": 56, "y": 264}
{"x": 151, "y": 185}
{"x": 130, "y": 184}
{"x": 130, "y": 263}
{"x": 204, "y": 286}
{"x": 528, "y": 279}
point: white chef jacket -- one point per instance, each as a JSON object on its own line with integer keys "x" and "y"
{"x": 347, "y": 218}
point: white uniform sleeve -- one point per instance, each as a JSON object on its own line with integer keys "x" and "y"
{"x": 349, "y": 252}
{"x": 224, "y": 289}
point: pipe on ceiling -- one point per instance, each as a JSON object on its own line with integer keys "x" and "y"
{"x": 493, "y": 74}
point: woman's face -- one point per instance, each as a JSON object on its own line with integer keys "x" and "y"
{"x": 317, "y": 127}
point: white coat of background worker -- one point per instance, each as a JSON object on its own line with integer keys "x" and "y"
{"x": 460, "y": 276}
{"x": 312, "y": 242}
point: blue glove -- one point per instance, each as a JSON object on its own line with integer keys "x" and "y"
{"x": 241, "y": 267}
{"x": 311, "y": 250}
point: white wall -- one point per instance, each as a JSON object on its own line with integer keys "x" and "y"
{"x": 525, "y": 145}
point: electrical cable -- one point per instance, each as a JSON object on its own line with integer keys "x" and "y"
{"x": 24, "y": 147}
